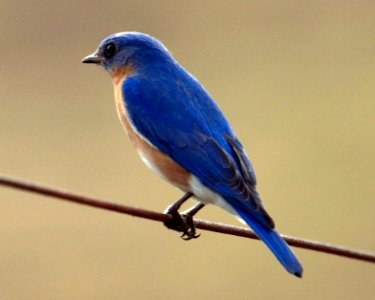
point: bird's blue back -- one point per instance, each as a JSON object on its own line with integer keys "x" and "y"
{"x": 183, "y": 121}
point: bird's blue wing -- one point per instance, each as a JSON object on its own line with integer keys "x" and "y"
{"x": 183, "y": 122}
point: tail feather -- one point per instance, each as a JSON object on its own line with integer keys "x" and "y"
{"x": 274, "y": 242}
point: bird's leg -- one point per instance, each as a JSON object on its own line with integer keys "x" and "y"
{"x": 177, "y": 223}
{"x": 183, "y": 223}
{"x": 188, "y": 215}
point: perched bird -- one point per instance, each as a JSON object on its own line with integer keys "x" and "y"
{"x": 182, "y": 135}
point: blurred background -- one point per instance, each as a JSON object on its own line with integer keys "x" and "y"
{"x": 296, "y": 80}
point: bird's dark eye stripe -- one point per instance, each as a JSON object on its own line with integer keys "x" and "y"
{"x": 109, "y": 50}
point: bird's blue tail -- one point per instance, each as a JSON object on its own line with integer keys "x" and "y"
{"x": 274, "y": 242}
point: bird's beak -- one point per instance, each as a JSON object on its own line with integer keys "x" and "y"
{"x": 94, "y": 58}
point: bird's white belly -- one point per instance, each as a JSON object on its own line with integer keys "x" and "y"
{"x": 207, "y": 196}
{"x": 194, "y": 186}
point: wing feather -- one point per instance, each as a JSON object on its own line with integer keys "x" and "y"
{"x": 198, "y": 137}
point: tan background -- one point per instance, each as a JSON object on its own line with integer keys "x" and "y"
{"x": 296, "y": 80}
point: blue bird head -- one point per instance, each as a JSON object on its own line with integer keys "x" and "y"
{"x": 128, "y": 50}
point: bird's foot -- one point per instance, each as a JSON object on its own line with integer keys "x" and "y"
{"x": 183, "y": 222}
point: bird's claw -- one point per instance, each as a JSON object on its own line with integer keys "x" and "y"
{"x": 190, "y": 232}
{"x": 182, "y": 223}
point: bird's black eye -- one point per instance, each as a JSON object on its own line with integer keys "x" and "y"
{"x": 109, "y": 50}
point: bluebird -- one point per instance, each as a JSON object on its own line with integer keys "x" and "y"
{"x": 180, "y": 133}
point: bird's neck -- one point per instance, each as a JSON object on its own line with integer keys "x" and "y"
{"x": 119, "y": 75}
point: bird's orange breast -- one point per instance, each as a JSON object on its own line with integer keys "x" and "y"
{"x": 165, "y": 166}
